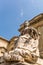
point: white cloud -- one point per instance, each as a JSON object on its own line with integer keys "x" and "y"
{"x": 32, "y": 1}
{"x": 21, "y": 13}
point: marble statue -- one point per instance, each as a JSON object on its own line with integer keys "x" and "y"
{"x": 26, "y": 49}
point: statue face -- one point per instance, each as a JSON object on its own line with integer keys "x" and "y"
{"x": 26, "y": 41}
{"x": 31, "y": 31}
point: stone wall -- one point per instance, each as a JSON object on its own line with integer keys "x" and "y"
{"x": 40, "y": 29}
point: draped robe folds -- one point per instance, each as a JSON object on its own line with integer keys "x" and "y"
{"x": 26, "y": 50}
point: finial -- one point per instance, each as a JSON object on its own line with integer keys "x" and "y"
{"x": 26, "y": 23}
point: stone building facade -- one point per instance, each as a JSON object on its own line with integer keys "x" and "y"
{"x": 12, "y": 43}
{"x": 3, "y": 46}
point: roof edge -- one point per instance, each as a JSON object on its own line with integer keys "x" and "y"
{"x": 33, "y": 20}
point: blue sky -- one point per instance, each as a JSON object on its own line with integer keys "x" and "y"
{"x": 15, "y": 12}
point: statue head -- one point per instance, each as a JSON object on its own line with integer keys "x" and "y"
{"x": 32, "y": 32}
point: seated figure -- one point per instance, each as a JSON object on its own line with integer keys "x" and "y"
{"x": 26, "y": 47}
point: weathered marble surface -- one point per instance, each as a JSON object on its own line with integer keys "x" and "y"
{"x": 26, "y": 51}
{"x": 40, "y": 62}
